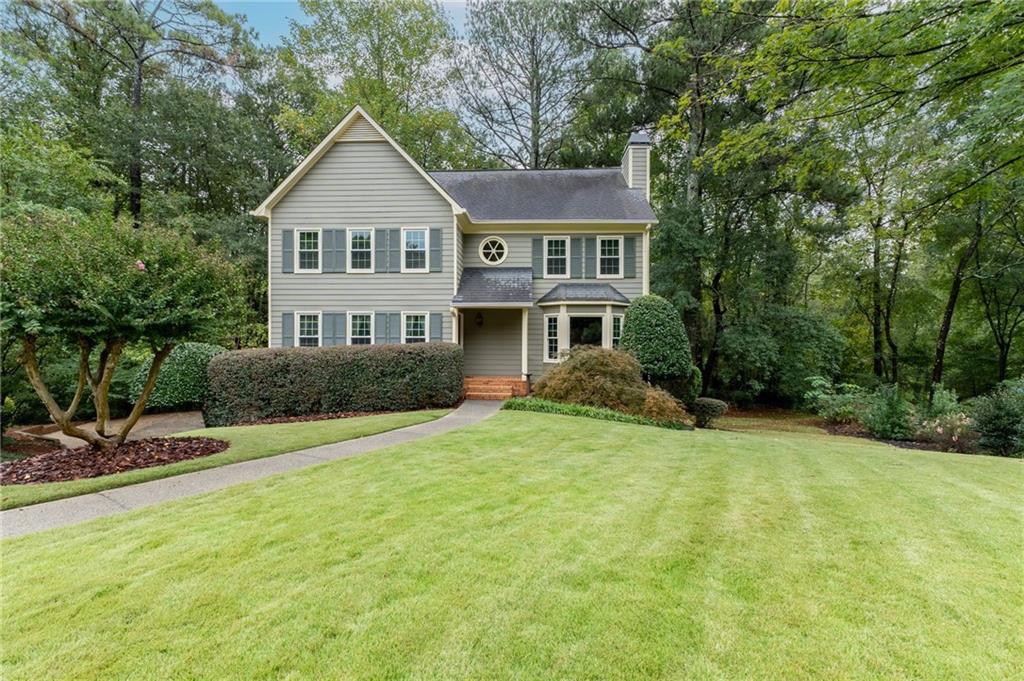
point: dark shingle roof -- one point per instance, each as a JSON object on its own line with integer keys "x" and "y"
{"x": 588, "y": 194}
{"x": 583, "y": 293}
{"x": 483, "y": 285}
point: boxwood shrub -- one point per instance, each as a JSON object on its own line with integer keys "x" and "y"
{"x": 248, "y": 385}
{"x": 181, "y": 383}
{"x": 543, "y": 406}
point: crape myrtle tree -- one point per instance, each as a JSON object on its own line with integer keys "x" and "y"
{"x": 99, "y": 287}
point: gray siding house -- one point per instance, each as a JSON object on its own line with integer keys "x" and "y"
{"x": 515, "y": 266}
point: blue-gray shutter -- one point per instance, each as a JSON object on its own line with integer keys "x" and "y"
{"x": 590, "y": 258}
{"x": 538, "y": 257}
{"x": 576, "y": 258}
{"x": 435, "y": 249}
{"x": 287, "y": 329}
{"x": 287, "y": 250}
{"x": 629, "y": 256}
{"x": 394, "y": 250}
{"x": 334, "y": 328}
{"x": 380, "y": 328}
{"x": 334, "y": 250}
{"x": 435, "y": 327}
{"x": 380, "y": 250}
{"x": 394, "y": 327}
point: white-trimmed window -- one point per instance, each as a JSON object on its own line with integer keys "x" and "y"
{"x": 609, "y": 257}
{"x": 307, "y": 254}
{"x": 360, "y": 328}
{"x": 360, "y": 249}
{"x": 551, "y": 338}
{"x": 556, "y": 257}
{"x": 616, "y": 330}
{"x": 493, "y": 250}
{"x": 307, "y": 326}
{"x": 414, "y": 327}
{"x": 415, "y": 244}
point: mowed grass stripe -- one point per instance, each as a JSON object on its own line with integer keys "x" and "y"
{"x": 533, "y": 546}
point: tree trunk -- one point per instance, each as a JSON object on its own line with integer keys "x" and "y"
{"x": 718, "y": 308}
{"x": 60, "y": 417}
{"x": 135, "y": 149}
{"x": 890, "y": 305}
{"x": 158, "y": 359}
{"x": 951, "y": 300}
{"x": 878, "y": 359}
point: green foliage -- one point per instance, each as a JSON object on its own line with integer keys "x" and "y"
{"x": 999, "y": 419}
{"x": 842, "y": 403}
{"x": 707, "y": 409}
{"x": 889, "y": 416}
{"x": 943, "y": 402}
{"x": 7, "y": 410}
{"x": 77, "y": 278}
{"x": 249, "y": 385}
{"x": 537, "y": 404}
{"x": 653, "y": 333}
{"x": 182, "y": 380}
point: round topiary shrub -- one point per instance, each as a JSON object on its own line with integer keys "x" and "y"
{"x": 654, "y": 333}
{"x": 706, "y": 410}
{"x": 999, "y": 419}
{"x": 182, "y": 381}
{"x": 595, "y": 377}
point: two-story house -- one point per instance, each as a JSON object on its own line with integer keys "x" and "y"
{"x": 366, "y": 247}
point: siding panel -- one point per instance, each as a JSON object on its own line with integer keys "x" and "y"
{"x": 363, "y": 184}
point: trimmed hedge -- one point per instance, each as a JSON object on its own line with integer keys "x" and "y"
{"x": 248, "y": 385}
{"x": 181, "y": 383}
{"x": 542, "y": 406}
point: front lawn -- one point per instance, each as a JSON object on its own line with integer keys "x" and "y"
{"x": 541, "y": 546}
{"x": 247, "y": 442}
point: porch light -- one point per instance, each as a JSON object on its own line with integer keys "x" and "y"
{"x": 479, "y": 319}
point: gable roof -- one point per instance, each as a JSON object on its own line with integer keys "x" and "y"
{"x": 356, "y": 115}
{"x": 584, "y": 195}
{"x": 511, "y": 286}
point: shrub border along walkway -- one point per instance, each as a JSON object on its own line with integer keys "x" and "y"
{"x": 28, "y": 519}
{"x": 540, "y": 406}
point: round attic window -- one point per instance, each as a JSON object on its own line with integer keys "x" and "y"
{"x": 493, "y": 250}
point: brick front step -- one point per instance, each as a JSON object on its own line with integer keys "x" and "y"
{"x": 493, "y": 387}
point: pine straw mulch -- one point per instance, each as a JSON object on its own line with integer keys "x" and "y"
{"x": 63, "y": 465}
{"x": 857, "y": 430}
{"x": 330, "y": 416}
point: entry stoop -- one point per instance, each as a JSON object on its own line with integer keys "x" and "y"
{"x": 493, "y": 387}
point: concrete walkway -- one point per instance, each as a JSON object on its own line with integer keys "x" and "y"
{"x": 72, "y": 510}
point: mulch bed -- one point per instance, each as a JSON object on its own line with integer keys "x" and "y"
{"x": 312, "y": 417}
{"x": 86, "y": 462}
{"x": 18, "y": 445}
{"x": 857, "y": 430}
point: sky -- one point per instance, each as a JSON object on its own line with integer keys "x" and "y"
{"x": 271, "y": 18}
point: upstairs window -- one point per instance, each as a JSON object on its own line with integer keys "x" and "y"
{"x": 414, "y": 249}
{"x": 556, "y": 257}
{"x": 609, "y": 257}
{"x": 414, "y": 327}
{"x": 309, "y": 329}
{"x": 308, "y": 253}
{"x": 360, "y": 328}
{"x": 360, "y": 250}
